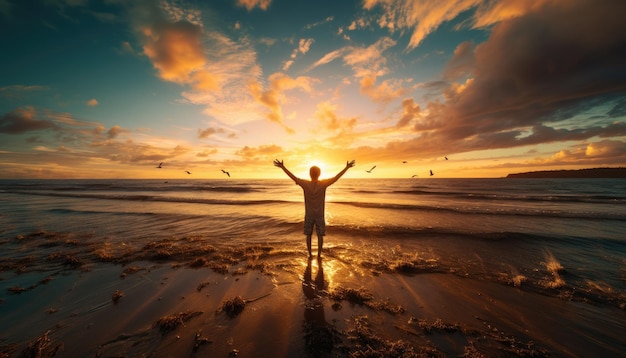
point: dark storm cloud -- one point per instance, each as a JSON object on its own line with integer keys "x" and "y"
{"x": 536, "y": 68}
{"x": 22, "y": 120}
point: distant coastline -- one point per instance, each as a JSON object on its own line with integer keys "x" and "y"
{"x": 580, "y": 173}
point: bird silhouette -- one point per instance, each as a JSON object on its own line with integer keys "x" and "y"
{"x": 446, "y": 158}
{"x": 431, "y": 173}
{"x": 225, "y": 172}
{"x": 404, "y": 161}
{"x": 414, "y": 175}
{"x": 369, "y": 171}
{"x": 160, "y": 165}
{"x": 187, "y": 171}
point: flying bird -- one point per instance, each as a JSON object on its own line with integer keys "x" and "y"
{"x": 369, "y": 171}
{"x": 414, "y": 175}
{"x": 404, "y": 161}
{"x": 225, "y": 172}
{"x": 160, "y": 165}
{"x": 187, "y": 171}
{"x": 431, "y": 173}
{"x": 446, "y": 158}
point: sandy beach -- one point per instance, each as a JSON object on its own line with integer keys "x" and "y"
{"x": 265, "y": 300}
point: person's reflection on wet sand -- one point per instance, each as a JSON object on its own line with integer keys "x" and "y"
{"x": 318, "y": 334}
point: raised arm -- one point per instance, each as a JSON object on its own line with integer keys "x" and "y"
{"x": 281, "y": 165}
{"x": 349, "y": 164}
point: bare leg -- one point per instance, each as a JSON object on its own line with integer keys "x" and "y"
{"x": 320, "y": 243}
{"x": 308, "y": 244}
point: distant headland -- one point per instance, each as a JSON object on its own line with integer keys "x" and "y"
{"x": 580, "y": 173}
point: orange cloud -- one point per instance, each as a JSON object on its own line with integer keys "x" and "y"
{"x": 264, "y": 151}
{"x": 115, "y": 131}
{"x": 411, "y": 110}
{"x": 251, "y": 4}
{"x": 326, "y": 114}
{"x": 274, "y": 96}
{"x": 425, "y": 16}
{"x": 490, "y": 13}
{"x": 387, "y": 91}
{"x": 422, "y": 16}
{"x": 175, "y": 50}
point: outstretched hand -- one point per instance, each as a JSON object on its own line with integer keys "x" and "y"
{"x": 278, "y": 163}
{"x": 350, "y": 163}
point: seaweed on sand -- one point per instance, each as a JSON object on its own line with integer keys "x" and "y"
{"x": 198, "y": 262}
{"x": 169, "y": 323}
{"x": 115, "y": 297}
{"x": 16, "y": 289}
{"x": 368, "y": 344}
{"x": 41, "y": 347}
{"x": 363, "y": 297}
{"x": 355, "y": 296}
{"x": 130, "y": 270}
{"x": 233, "y": 307}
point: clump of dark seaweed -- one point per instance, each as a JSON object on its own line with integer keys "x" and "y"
{"x": 480, "y": 343}
{"x": 169, "y": 323}
{"x": 367, "y": 344}
{"x": 41, "y": 347}
{"x": 130, "y": 270}
{"x": 16, "y": 289}
{"x": 263, "y": 267}
{"x": 115, "y": 297}
{"x": 202, "y": 285}
{"x": 162, "y": 255}
{"x": 240, "y": 271}
{"x": 415, "y": 266}
{"x": 385, "y": 305}
{"x": 219, "y": 268}
{"x": 176, "y": 249}
{"x": 233, "y": 307}
{"x": 355, "y": 296}
{"x": 73, "y": 261}
{"x": 363, "y": 297}
{"x": 437, "y": 325}
{"x": 198, "y": 262}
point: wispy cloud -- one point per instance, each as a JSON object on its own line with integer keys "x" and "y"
{"x": 423, "y": 17}
{"x": 266, "y": 152}
{"x": 304, "y": 46}
{"x": 19, "y": 91}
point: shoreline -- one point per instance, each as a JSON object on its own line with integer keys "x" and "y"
{"x": 290, "y": 307}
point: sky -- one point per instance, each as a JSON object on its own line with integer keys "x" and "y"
{"x": 465, "y": 88}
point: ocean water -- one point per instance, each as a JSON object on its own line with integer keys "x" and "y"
{"x": 565, "y": 238}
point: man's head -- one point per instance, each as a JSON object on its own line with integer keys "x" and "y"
{"x": 314, "y": 172}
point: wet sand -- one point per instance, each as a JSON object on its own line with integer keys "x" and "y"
{"x": 269, "y": 301}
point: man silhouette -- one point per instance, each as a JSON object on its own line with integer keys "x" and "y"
{"x": 314, "y": 201}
